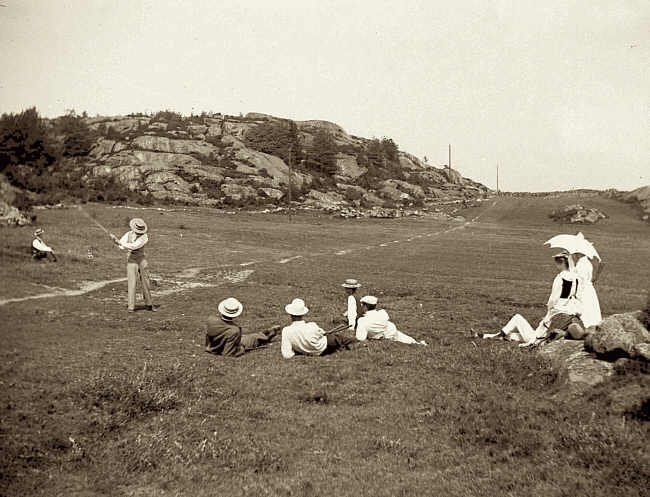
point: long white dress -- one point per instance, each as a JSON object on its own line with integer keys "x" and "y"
{"x": 586, "y": 295}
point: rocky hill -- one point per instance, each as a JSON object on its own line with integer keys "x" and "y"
{"x": 219, "y": 160}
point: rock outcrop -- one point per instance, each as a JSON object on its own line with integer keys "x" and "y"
{"x": 577, "y": 214}
{"x": 578, "y": 368}
{"x": 621, "y": 335}
{"x": 208, "y": 161}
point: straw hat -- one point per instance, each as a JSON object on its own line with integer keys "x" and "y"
{"x": 230, "y": 308}
{"x": 369, "y": 299}
{"x": 138, "y": 225}
{"x": 297, "y": 308}
{"x": 350, "y": 283}
{"x": 562, "y": 255}
{"x": 38, "y": 232}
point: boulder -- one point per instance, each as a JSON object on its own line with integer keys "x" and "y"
{"x": 577, "y": 214}
{"x": 414, "y": 191}
{"x": 321, "y": 200}
{"x": 453, "y": 176}
{"x": 391, "y": 193}
{"x": 578, "y": 368}
{"x": 347, "y": 166}
{"x": 370, "y": 199}
{"x": 10, "y": 215}
{"x": 258, "y": 161}
{"x": 620, "y": 335}
{"x": 235, "y": 193}
{"x": 271, "y": 193}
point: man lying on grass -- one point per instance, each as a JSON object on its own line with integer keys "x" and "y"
{"x": 308, "y": 338}
{"x": 224, "y": 337}
{"x": 562, "y": 316}
{"x": 375, "y": 324}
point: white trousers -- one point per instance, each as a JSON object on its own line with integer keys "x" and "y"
{"x": 392, "y": 333}
{"x": 518, "y": 324}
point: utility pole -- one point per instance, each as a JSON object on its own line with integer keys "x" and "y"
{"x": 497, "y": 179}
{"x": 290, "y": 183}
{"x": 449, "y": 163}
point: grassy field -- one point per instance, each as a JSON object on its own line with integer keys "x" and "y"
{"x": 99, "y": 402}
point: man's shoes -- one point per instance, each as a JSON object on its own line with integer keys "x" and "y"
{"x": 130, "y": 310}
{"x": 493, "y": 335}
{"x": 151, "y": 308}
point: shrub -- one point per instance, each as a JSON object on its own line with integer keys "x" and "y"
{"x": 279, "y": 138}
{"x": 78, "y": 138}
{"x": 27, "y": 150}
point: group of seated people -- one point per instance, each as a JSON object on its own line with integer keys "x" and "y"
{"x": 225, "y": 337}
{"x": 572, "y": 307}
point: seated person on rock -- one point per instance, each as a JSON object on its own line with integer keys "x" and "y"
{"x": 305, "y": 338}
{"x": 562, "y": 314}
{"x": 40, "y": 249}
{"x": 224, "y": 336}
{"x": 375, "y": 324}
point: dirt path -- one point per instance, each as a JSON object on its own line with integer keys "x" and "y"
{"x": 179, "y": 286}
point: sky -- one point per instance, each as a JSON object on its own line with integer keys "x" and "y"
{"x": 555, "y": 92}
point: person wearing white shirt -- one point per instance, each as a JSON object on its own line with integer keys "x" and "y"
{"x": 584, "y": 269}
{"x": 305, "y": 338}
{"x": 350, "y": 313}
{"x": 375, "y": 324}
{"x": 136, "y": 264}
{"x": 563, "y": 310}
{"x": 40, "y": 249}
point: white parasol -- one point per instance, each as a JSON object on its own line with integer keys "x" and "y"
{"x": 574, "y": 244}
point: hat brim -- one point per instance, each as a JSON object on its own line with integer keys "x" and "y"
{"x": 296, "y": 312}
{"x": 225, "y": 312}
{"x": 346, "y": 285}
{"x": 139, "y": 229}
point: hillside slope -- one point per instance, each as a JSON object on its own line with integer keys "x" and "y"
{"x": 226, "y": 160}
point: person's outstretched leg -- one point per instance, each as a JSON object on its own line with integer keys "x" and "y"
{"x": 519, "y": 324}
{"x": 404, "y": 338}
{"x": 146, "y": 284}
{"x": 131, "y": 276}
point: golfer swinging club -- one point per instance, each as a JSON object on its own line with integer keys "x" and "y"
{"x": 136, "y": 263}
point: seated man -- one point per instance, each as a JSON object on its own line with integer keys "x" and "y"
{"x": 375, "y": 324}
{"x": 40, "y": 250}
{"x": 562, "y": 314}
{"x": 224, "y": 337}
{"x": 351, "y": 286}
{"x": 308, "y": 338}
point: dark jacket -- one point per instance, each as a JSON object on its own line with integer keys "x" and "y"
{"x": 223, "y": 337}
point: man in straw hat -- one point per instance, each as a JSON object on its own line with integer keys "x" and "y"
{"x": 375, "y": 324}
{"x": 305, "y": 338}
{"x": 40, "y": 249}
{"x": 562, "y": 315}
{"x": 224, "y": 336}
{"x": 136, "y": 264}
{"x": 351, "y": 286}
